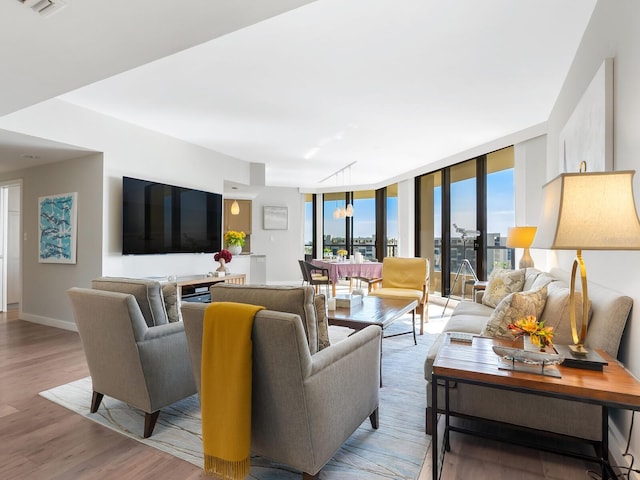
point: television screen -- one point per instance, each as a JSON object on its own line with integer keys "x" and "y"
{"x": 160, "y": 218}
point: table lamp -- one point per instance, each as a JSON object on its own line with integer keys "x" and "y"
{"x": 522, "y": 237}
{"x": 587, "y": 211}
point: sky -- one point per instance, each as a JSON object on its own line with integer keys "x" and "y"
{"x": 500, "y": 204}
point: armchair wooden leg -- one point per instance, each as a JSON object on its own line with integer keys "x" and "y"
{"x": 424, "y": 313}
{"x": 96, "y": 399}
{"x": 373, "y": 418}
{"x": 150, "y": 422}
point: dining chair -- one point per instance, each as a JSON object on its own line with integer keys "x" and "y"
{"x": 316, "y": 276}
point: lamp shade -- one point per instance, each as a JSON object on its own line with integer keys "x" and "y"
{"x": 521, "y": 237}
{"x": 589, "y": 211}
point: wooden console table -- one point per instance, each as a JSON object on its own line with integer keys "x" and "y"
{"x": 477, "y": 363}
{"x": 193, "y": 286}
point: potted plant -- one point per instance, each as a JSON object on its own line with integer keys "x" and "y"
{"x": 234, "y": 241}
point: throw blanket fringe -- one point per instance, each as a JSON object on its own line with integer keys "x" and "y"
{"x": 225, "y": 395}
{"x": 226, "y": 469}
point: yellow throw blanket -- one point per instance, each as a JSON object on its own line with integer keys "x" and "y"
{"x": 225, "y": 391}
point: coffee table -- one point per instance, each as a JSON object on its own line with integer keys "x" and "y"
{"x": 477, "y": 363}
{"x": 375, "y": 311}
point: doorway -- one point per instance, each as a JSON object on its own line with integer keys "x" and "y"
{"x": 10, "y": 272}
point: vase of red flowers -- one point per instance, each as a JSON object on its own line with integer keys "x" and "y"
{"x": 223, "y": 257}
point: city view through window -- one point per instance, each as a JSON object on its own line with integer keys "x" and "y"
{"x": 487, "y": 229}
{"x": 363, "y": 224}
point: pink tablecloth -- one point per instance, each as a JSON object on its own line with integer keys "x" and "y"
{"x": 346, "y": 269}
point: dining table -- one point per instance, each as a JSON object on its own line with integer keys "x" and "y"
{"x": 346, "y": 269}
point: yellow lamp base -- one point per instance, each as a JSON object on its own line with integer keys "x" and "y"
{"x": 578, "y": 349}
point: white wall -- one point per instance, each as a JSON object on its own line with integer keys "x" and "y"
{"x": 14, "y": 280}
{"x": 614, "y": 31}
{"x": 283, "y": 248}
{"x": 133, "y": 151}
{"x": 530, "y": 174}
{"x": 44, "y": 297}
{"x": 137, "y": 152}
{"x": 406, "y": 218}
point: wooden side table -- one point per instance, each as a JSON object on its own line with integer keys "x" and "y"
{"x": 477, "y": 363}
{"x": 478, "y": 286}
{"x": 192, "y": 287}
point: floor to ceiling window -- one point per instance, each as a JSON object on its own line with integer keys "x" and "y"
{"x": 309, "y": 219}
{"x": 463, "y": 225}
{"x": 501, "y": 210}
{"x": 429, "y": 225}
{"x": 462, "y": 217}
{"x": 392, "y": 220}
{"x": 334, "y": 225}
{"x": 364, "y": 223}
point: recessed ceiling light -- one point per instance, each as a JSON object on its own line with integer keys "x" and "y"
{"x": 30, "y": 156}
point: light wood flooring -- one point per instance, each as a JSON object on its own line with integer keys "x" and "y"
{"x": 41, "y": 440}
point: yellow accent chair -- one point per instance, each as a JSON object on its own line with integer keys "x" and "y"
{"x": 405, "y": 278}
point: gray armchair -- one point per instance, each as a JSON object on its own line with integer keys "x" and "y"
{"x": 145, "y": 366}
{"x": 304, "y": 406}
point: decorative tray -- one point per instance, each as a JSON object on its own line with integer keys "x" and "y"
{"x": 540, "y": 363}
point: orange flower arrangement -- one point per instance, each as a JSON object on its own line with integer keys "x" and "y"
{"x": 541, "y": 336}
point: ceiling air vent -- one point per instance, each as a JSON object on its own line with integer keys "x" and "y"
{"x": 44, "y": 8}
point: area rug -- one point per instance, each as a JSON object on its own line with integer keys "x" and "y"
{"x": 395, "y": 451}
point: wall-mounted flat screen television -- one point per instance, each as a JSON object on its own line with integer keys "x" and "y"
{"x": 161, "y": 218}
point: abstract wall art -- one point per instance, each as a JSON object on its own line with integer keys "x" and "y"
{"x": 276, "y": 218}
{"x": 588, "y": 134}
{"x": 57, "y": 227}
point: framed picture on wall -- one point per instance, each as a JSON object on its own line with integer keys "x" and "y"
{"x": 57, "y": 228}
{"x": 588, "y": 134}
{"x": 276, "y": 218}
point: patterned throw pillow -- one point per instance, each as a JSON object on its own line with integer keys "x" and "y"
{"x": 513, "y": 307}
{"x": 171, "y": 302}
{"x": 556, "y": 312}
{"x": 500, "y": 284}
{"x": 323, "y": 324}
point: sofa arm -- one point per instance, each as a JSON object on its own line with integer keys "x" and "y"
{"x": 164, "y": 358}
{"x": 343, "y": 389}
{"x": 153, "y": 333}
{"x": 368, "y": 338}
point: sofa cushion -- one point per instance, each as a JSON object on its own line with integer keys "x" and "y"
{"x": 472, "y": 308}
{"x": 530, "y": 276}
{"x": 501, "y": 283}
{"x": 323, "y": 323}
{"x": 171, "y": 302}
{"x": 556, "y": 312}
{"x": 513, "y": 307}
{"x": 148, "y": 294}
{"x": 466, "y": 323}
{"x": 540, "y": 281}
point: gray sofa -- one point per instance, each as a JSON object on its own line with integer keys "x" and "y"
{"x": 308, "y": 397}
{"x": 608, "y": 316}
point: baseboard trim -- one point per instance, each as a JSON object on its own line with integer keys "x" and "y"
{"x": 49, "y": 322}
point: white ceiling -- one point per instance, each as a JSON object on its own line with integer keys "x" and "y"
{"x": 391, "y": 86}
